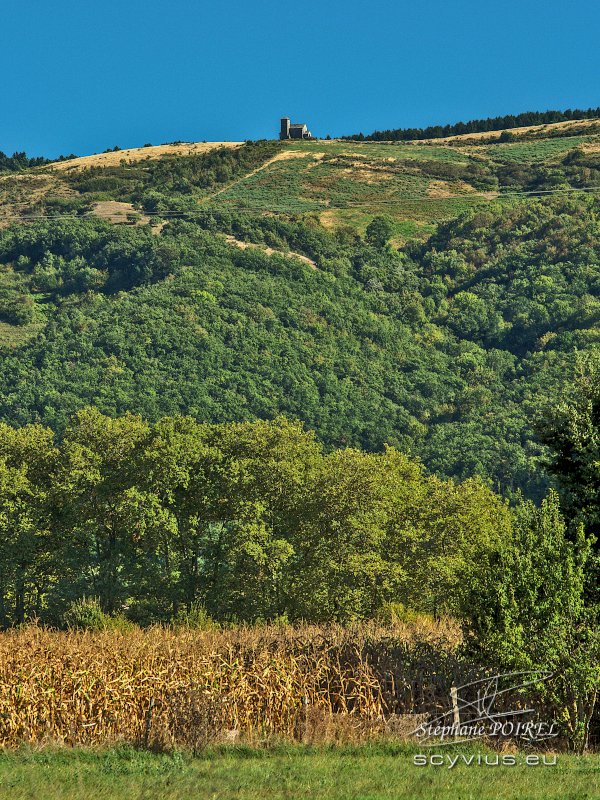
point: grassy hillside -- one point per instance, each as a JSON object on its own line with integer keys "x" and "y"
{"x": 446, "y": 347}
{"x": 416, "y": 183}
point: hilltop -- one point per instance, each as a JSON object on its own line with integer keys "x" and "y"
{"x": 417, "y": 184}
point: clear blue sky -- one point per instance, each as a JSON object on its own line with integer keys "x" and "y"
{"x": 83, "y": 75}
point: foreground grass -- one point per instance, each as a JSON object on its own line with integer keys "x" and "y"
{"x": 368, "y": 773}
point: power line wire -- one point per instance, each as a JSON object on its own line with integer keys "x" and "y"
{"x": 261, "y": 209}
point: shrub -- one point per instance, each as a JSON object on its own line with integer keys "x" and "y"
{"x": 394, "y": 613}
{"x": 86, "y": 614}
{"x": 196, "y": 617}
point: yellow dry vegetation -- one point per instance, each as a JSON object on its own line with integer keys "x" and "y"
{"x": 113, "y": 159}
{"x": 329, "y": 219}
{"x": 368, "y": 173}
{"x": 591, "y": 147}
{"x": 286, "y": 155}
{"x": 163, "y": 687}
{"x": 118, "y": 212}
{"x": 444, "y": 189}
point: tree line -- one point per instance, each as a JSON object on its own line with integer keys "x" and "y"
{"x": 20, "y": 161}
{"x": 257, "y": 520}
{"x": 506, "y": 122}
{"x": 251, "y": 520}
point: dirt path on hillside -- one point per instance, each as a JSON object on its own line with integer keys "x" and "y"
{"x": 270, "y": 251}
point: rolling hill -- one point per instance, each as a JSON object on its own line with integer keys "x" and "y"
{"x": 168, "y": 280}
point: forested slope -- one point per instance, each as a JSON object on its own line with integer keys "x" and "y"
{"x": 446, "y": 349}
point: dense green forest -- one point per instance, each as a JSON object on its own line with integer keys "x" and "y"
{"x": 450, "y": 349}
{"x": 506, "y": 122}
{"x": 446, "y": 349}
{"x": 255, "y": 521}
{"x": 165, "y": 516}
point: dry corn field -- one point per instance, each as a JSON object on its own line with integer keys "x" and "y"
{"x": 162, "y": 687}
